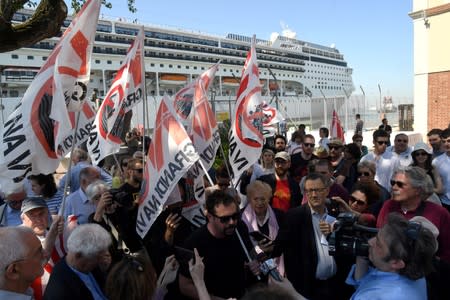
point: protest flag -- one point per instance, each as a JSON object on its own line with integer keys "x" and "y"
{"x": 336, "y": 130}
{"x": 245, "y": 137}
{"x": 127, "y": 90}
{"x": 170, "y": 155}
{"x": 41, "y": 123}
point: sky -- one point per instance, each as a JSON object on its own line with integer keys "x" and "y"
{"x": 376, "y": 37}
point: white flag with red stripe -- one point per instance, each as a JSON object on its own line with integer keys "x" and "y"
{"x": 336, "y": 130}
{"x": 170, "y": 155}
{"x": 246, "y": 139}
{"x": 126, "y": 91}
{"x": 41, "y": 122}
{"x": 194, "y": 111}
{"x": 271, "y": 115}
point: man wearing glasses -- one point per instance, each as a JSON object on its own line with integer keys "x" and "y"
{"x": 227, "y": 272}
{"x": 22, "y": 261}
{"x": 385, "y": 161}
{"x": 10, "y": 210}
{"x": 401, "y": 255}
{"x": 299, "y": 161}
{"x": 302, "y": 240}
{"x": 401, "y": 149}
{"x": 409, "y": 199}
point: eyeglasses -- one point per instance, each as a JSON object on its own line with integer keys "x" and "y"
{"x": 366, "y": 174}
{"x": 382, "y": 142}
{"x": 311, "y": 145}
{"x": 420, "y": 153}
{"x": 398, "y": 183}
{"x": 334, "y": 147}
{"x": 311, "y": 191}
{"x": 141, "y": 170}
{"x": 358, "y": 201}
{"x": 226, "y": 219}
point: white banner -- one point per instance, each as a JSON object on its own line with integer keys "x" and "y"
{"x": 245, "y": 136}
{"x": 41, "y": 121}
{"x": 126, "y": 91}
{"x": 171, "y": 154}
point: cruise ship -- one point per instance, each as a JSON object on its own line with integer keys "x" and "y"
{"x": 303, "y": 79}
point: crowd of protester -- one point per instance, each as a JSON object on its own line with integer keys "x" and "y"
{"x": 278, "y": 235}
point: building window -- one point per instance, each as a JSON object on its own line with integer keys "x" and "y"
{"x": 109, "y": 62}
{"x": 161, "y": 65}
{"x": 30, "y": 57}
{"x": 14, "y": 56}
{"x": 97, "y": 61}
{"x": 44, "y": 58}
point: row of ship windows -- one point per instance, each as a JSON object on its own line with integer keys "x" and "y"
{"x": 109, "y": 62}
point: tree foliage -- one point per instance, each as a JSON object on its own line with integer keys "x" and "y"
{"x": 46, "y": 21}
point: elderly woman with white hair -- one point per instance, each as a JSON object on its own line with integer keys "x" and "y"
{"x": 263, "y": 221}
{"x": 72, "y": 277}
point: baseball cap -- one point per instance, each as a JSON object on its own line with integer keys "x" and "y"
{"x": 32, "y": 203}
{"x": 283, "y": 155}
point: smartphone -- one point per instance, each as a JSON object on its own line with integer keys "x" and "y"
{"x": 183, "y": 255}
{"x": 258, "y": 236}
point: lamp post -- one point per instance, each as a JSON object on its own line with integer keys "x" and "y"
{"x": 364, "y": 100}
{"x": 325, "y": 121}
{"x": 381, "y": 108}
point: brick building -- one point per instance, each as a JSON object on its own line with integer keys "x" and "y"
{"x": 431, "y": 21}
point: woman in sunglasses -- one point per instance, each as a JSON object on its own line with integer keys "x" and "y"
{"x": 422, "y": 157}
{"x": 363, "y": 196}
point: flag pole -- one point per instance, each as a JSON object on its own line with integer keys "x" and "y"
{"x": 69, "y": 167}
{"x": 144, "y": 100}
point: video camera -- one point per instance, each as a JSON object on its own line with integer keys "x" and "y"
{"x": 348, "y": 237}
{"x": 121, "y": 197}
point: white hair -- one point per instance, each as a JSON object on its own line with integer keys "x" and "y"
{"x": 95, "y": 188}
{"x": 12, "y": 247}
{"x": 88, "y": 240}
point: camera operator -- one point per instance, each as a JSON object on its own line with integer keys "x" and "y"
{"x": 117, "y": 209}
{"x": 401, "y": 255}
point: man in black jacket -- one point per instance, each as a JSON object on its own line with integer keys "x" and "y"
{"x": 302, "y": 240}
{"x": 72, "y": 277}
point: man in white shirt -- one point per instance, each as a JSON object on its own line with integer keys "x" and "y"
{"x": 386, "y": 162}
{"x": 401, "y": 150}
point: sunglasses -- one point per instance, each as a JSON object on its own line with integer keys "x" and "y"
{"x": 398, "y": 183}
{"x": 334, "y": 147}
{"x": 309, "y": 145}
{"x": 366, "y": 174}
{"x": 358, "y": 201}
{"x": 420, "y": 153}
{"x": 382, "y": 142}
{"x": 226, "y": 219}
{"x": 141, "y": 170}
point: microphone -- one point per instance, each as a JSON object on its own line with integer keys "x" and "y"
{"x": 270, "y": 267}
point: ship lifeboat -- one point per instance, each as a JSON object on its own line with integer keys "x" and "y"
{"x": 230, "y": 81}
{"x": 173, "y": 79}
